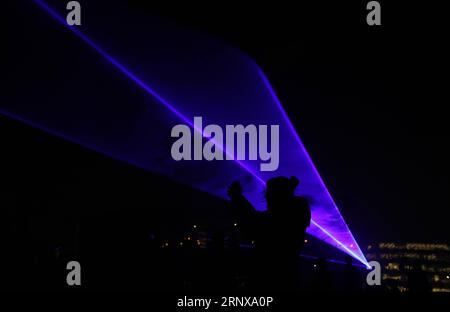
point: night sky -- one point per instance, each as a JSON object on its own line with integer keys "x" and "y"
{"x": 374, "y": 123}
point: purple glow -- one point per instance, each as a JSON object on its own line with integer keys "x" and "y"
{"x": 332, "y": 228}
{"x": 135, "y": 79}
{"x": 333, "y": 261}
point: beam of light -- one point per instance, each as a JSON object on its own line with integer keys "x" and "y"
{"x": 163, "y": 100}
{"x": 138, "y": 81}
{"x": 361, "y": 259}
{"x": 319, "y": 178}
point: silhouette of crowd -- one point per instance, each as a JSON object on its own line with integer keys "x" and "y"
{"x": 261, "y": 251}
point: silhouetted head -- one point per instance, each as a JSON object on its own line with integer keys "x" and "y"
{"x": 235, "y": 189}
{"x": 280, "y": 189}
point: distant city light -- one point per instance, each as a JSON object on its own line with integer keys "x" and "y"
{"x": 306, "y": 241}
{"x": 195, "y": 226}
{"x": 235, "y": 224}
{"x": 398, "y": 258}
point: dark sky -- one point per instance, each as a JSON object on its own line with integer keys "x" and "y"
{"x": 375, "y": 123}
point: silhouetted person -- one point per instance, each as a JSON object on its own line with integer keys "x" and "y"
{"x": 278, "y": 232}
{"x": 219, "y": 271}
{"x": 242, "y": 209}
{"x": 322, "y": 280}
{"x": 352, "y": 276}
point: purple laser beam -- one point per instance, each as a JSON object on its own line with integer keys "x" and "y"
{"x": 153, "y": 93}
{"x": 138, "y": 81}
{"x": 303, "y": 150}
